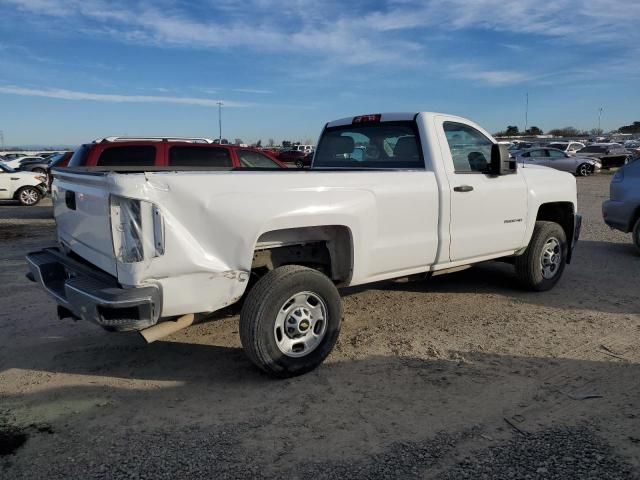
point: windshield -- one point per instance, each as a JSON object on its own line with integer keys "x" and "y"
{"x": 55, "y": 157}
{"x": 379, "y": 145}
{"x": 80, "y": 156}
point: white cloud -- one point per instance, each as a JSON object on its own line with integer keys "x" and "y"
{"x": 252, "y": 90}
{"x": 396, "y": 33}
{"x": 111, "y": 98}
{"x": 496, "y": 78}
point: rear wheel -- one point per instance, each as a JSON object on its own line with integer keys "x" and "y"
{"x": 584, "y": 170}
{"x": 299, "y": 164}
{"x": 541, "y": 265}
{"x": 29, "y": 196}
{"x": 290, "y": 320}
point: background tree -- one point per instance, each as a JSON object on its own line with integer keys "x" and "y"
{"x": 566, "y": 132}
{"x": 512, "y": 131}
{"x": 259, "y": 143}
{"x": 596, "y": 131}
{"x": 534, "y": 131}
{"x": 271, "y": 142}
{"x": 286, "y": 143}
{"x": 237, "y": 141}
{"x": 633, "y": 128}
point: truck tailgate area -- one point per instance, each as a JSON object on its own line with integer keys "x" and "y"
{"x": 82, "y": 211}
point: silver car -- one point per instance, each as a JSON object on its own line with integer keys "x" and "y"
{"x": 554, "y": 158}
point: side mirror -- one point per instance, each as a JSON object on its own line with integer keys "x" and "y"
{"x": 501, "y": 163}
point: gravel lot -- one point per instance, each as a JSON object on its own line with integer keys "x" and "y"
{"x": 462, "y": 376}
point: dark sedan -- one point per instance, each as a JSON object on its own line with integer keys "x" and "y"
{"x": 609, "y": 154}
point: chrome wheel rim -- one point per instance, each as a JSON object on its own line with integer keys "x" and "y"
{"x": 301, "y": 324}
{"x": 584, "y": 170}
{"x": 29, "y": 196}
{"x": 551, "y": 258}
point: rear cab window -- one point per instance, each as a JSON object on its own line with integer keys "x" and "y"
{"x": 199, "y": 156}
{"x": 384, "y": 145}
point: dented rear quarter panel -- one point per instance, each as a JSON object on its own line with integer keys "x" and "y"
{"x": 213, "y": 221}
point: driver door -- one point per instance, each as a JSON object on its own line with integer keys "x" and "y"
{"x": 488, "y": 212}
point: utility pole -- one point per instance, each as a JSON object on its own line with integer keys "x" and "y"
{"x": 220, "y": 121}
{"x": 600, "y": 119}
{"x": 526, "y": 114}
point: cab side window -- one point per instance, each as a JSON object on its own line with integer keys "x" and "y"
{"x": 128, "y": 156}
{"x": 470, "y": 149}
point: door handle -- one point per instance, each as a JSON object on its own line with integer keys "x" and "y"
{"x": 463, "y": 188}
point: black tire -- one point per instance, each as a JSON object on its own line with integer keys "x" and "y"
{"x": 529, "y": 265}
{"x": 636, "y": 234}
{"x": 299, "y": 164}
{"x": 259, "y": 316}
{"x": 584, "y": 170}
{"x": 28, "y": 196}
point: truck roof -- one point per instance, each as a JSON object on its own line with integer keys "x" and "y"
{"x": 386, "y": 117}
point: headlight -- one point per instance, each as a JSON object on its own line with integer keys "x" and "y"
{"x": 137, "y": 229}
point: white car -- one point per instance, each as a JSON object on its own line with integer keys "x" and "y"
{"x": 26, "y": 187}
{"x": 15, "y": 162}
{"x": 303, "y": 148}
{"x": 435, "y": 193}
{"x": 568, "y": 147}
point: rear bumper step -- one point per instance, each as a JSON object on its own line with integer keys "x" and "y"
{"x": 93, "y": 295}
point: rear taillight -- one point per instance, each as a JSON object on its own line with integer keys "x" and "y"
{"x": 137, "y": 229}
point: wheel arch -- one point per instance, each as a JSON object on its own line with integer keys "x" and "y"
{"x": 327, "y": 247}
{"x": 562, "y": 213}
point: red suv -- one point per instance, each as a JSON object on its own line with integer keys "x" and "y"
{"x": 168, "y": 152}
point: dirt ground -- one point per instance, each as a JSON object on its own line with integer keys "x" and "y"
{"x": 461, "y": 376}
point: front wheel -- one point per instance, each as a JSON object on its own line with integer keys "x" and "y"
{"x": 584, "y": 170}
{"x": 29, "y": 196}
{"x": 541, "y": 265}
{"x": 299, "y": 164}
{"x": 290, "y": 320}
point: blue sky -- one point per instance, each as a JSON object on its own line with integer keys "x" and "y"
{"x": 73, "y": 70}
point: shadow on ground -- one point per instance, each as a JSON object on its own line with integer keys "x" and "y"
{"x": 599, "y": 279}
{"x": 164, "y": 403}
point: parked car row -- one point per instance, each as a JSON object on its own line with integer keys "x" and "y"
{"x": 587, "y": 159}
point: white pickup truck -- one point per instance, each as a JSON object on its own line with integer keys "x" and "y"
{"x": 388, "y": 196}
